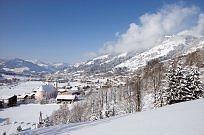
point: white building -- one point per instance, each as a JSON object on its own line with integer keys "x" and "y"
{"x": 46, "y": 91}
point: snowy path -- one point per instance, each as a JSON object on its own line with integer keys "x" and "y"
{"x": 179, "y": 119}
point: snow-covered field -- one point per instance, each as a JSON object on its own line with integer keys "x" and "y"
{"x": 25, "y": 115}
{"x": 17, "y": 77}
{"x": 179, "y": 119}
{"x": 17, "y": 70}
{"x": 19, "y": 89}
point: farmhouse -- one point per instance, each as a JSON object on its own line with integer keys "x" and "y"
{"x": 66, "y": 98}
{"x": 25, "y": 98}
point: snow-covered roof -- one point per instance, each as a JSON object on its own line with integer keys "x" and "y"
{"x": 6, "y": 96}
{"x": 21, "y": 96}
{"x": 74, "y": 88}
{"x": 47, "y": 88}
{"x": 70, "y": 97}
{"x": 24, "y": 95}
{"x": 62, "y": 90}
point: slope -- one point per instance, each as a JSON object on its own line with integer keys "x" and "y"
{"x": 180, "y": 119}
{"x": 169, "y": 47}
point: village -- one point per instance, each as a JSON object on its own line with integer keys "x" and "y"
{"x": 57, "y": 91}
{"x": 51, "y": 91}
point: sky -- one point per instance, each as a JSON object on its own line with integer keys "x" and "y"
{"x": 74, "y": 30}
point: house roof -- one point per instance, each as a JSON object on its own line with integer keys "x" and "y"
{"x": 74, "y": 88}
{"x": 62, "y": 90}
{"x": 69, "y": 97}
{"x": 47, "y": 88}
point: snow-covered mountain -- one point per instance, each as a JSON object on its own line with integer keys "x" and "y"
{"x": 51, "y": 66}
{"x": 169, "y": 47}
{"x": 20, "y": 66}
{"x": 60, "y": 66}
{"x": 166, "y": 48}
{"x": 103, "y": 63}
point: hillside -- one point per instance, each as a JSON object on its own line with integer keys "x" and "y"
{"x": 20, "y": 66}
{"x": 183, "y": 118}
{"x": 167, "y": 48}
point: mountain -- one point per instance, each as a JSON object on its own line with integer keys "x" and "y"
{"x": 51, "y": 66}
{"x": 100, "y": 64}
{"x": 60, "y": 66}
{"x": 167, "y": 48}
{"x": 20, "y": 66}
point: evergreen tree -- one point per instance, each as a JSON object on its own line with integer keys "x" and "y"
{"x": 182, "y": 84}
{"x": 198, "y": 91}
{"x": 173, "y": 84}
{"x": 192, "y": 88}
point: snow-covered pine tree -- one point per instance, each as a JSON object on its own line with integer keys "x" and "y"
{"x": 171, "y": 91}
{"x": 192, "y": 88}
{"x": 182, "y": 84}
{"x": 198, "y": 91}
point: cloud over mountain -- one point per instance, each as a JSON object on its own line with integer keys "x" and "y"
{"x": 171, "y": 19}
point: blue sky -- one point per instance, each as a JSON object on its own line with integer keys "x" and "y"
{"x": 67, "y": 30}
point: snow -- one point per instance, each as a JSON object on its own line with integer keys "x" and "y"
{"x": 97, "y": 58}
{"x": 77, "y": 84}
{"x": 58, "y": 64}
{"x": 90, "y": 62}
{"x": 188, "y": 32}
{"x": 16, "y": 76}
{"x": 26, "y": 114}
{"x": 147, "y": 102}
{"x": 20, "y": 88}
{"x": 122, "y": 55}
{"x": 47, "y": 88}
{"x": 71, "y": 97}
{"x": 78, "y": 64}
{"x": 74, "y": 88}
{"x": 164, "y": 47}
{"x": 62, "y": 84}
{"x": 101, "y": 57}
{"x": 43, "y": 65}
{"x": 194, "y": 48}
{"x": 61, "y": 90}
{"x": 179, "y": 119}
{"x": 17, "y": 70}
{"x": 161, "y": 50}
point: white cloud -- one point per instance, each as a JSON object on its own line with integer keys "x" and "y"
{"x": 171, "y": 19}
